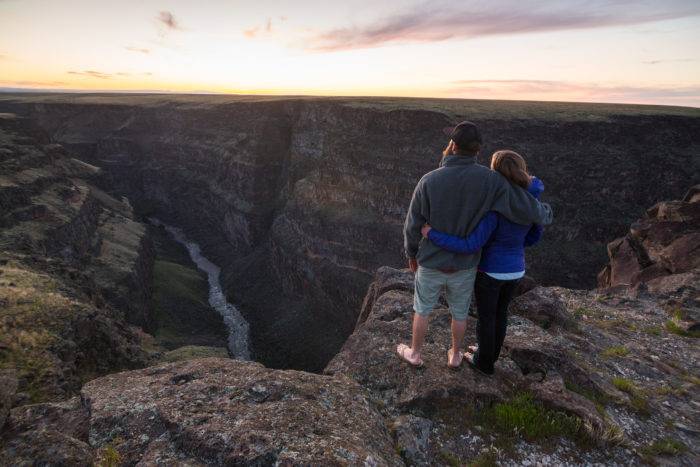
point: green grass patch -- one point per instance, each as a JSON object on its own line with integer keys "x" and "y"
{"x": 653, "y": 330}
{"x": 108, "y": 457}
{"x": 638, "y": 400}
{"x": 522, "y": 416}
{"x": 663, "y": 447}
{"x": 615, "y": 351}
{"x": 624, "y": 385}
{"x": 189, "y": 352}
{"x": 181, "y": 281}
{"x": 183, "y": 314}
{"x": 673, "y": 328}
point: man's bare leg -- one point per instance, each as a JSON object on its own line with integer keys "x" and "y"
{"x": 413, "y": 354}
{"x": 454, "y": 355}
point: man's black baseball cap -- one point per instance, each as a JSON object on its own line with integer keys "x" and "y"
{"x": 464, "y": 134}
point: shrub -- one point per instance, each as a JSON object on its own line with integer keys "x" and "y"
{"x": 615, "y": 351}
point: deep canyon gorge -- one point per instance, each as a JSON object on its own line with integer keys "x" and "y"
{"x": 300, "y": 200}
{"x": 290, "y": 211}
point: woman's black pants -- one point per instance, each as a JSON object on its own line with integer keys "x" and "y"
{"x": 492, "y": 299}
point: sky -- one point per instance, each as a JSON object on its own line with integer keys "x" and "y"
{"x": 592, "y": 51}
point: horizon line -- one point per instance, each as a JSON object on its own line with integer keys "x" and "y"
{"x": 28, "y": 90}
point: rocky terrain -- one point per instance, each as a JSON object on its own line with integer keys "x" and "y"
{"x": 110, "y": 355}
{"x": 606, "y": 377}
{"x": 307, "y": 196}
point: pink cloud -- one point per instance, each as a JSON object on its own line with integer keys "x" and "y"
{"x": 439, "y": 20}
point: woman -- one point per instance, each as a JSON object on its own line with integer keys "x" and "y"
{"x": 502, "y": 261}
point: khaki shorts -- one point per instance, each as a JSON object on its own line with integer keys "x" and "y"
{"x": 458, "y": 286}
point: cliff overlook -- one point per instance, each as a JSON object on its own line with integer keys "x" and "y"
{"x": 608, "y": 376}
{"x": 307, "y": 196}
{"x": 118, "y": 211}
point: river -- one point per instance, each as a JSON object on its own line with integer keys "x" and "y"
{"x": 238, "y": 329}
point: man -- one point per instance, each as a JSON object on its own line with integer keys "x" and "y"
{"x": 453, "y": 199}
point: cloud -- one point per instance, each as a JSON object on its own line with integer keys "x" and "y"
{"x": 141, "y": 50}
{"x": 169, "y": 21}
{"x": 671, "y": 60}
{"x": 259, "y": 30}
{"x": 440, "y": 20}
{"x": 102, "y": 75}
{"x": 527, "y": 89}
{"x": 92, "y": 74}
{"x": 33, "y": 83}
{"x": 251, "y": 32}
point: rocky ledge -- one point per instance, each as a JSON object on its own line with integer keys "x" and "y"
{"x": 205, "y": 412}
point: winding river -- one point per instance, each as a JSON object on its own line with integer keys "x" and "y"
{"x": 238, "y": 330}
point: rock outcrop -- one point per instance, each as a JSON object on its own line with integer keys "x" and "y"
{"x": 606, "y": 370}
{"x": 585, "y": 377}
{"x": 661, "y": 255}
{"x": 74, "y": 270}
{"x": 307, "y": 196}
{"x": 207, "y": 412}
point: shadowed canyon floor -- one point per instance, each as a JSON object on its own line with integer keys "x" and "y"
{"x": 301, "y": 201}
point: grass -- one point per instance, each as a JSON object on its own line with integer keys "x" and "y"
{"x": 663, "y": 447}
{"x": 653, "y": 330}
{"x": 180, "y": 300}
{"x": 638, "y": 400}
{"x": 673, "y": 328}
{"x": 189, "y": 352}
{"x": 32, "y": 320}
{"x": 617, "y": 351}
{"x": 108, "y": 457}
{"x": 522, "y": 416}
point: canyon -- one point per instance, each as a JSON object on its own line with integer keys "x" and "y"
{"x": 295, "y": 207}
{"x": 306, "y": 197}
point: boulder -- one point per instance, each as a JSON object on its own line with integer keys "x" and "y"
{"x": 544, "y": 306}
{"x": 665, "y": 242}
{"x": 222, "y": 411}
{"x": 385, "y": 279}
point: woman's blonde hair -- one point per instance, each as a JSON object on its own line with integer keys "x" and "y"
{"x": 511, "y": 165}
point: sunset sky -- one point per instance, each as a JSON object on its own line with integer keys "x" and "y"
{"x": 600, "y": 51}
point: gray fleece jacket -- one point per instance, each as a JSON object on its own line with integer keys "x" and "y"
{"x": 453, "y": 199}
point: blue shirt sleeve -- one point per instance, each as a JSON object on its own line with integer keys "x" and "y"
{"x": 472, "y": 243}
{"x": 534, "y": 235}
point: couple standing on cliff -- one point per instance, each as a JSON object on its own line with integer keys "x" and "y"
{"x": 466, "y": 231}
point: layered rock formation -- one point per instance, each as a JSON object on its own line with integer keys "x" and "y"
{"x": 74, "y": 270}
{"x": 307, "y": 197}
{"x": 661, "y": 255}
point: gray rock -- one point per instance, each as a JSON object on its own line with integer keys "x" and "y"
{"x": 412, "y": 435}
{"x": 544, "y": 306}
{"x": 8, "y": 388}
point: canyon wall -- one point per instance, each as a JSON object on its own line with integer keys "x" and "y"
{"x": 300, "y": 200}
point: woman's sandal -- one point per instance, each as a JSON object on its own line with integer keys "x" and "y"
{"x": 401, "y": 349}
{"x": 469, "y": 357}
